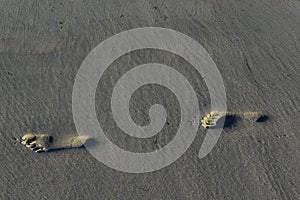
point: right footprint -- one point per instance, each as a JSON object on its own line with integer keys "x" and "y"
{"x": 213, "y": 119}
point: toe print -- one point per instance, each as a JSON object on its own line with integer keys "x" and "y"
{"x": 211, "y": 120}
{"x": 37, "y": 142}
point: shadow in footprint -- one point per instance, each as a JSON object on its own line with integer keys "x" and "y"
{"x": 230, "y": 121}
{"x": 262, "y": 119}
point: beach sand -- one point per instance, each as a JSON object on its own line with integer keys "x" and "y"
{"x": 256, "y": 47}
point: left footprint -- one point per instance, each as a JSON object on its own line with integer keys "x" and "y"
{"x": 45, "y": 142}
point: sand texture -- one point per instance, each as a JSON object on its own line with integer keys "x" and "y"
{"x": 256, "y": 46}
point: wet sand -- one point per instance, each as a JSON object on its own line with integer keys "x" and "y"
{"x": 256, "y": 46}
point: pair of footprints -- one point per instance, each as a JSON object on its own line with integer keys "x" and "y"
{"x": 44, "y": 142}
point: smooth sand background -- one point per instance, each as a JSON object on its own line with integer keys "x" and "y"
{"x": 256, "y": 46}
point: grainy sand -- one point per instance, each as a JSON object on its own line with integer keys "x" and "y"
{"x": 256, "y": 46}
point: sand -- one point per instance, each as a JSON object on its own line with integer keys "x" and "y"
{"x": 256, "y": 46}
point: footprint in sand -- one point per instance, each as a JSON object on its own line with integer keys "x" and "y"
{"x": 213, "y": 119}
{"x": 44, "y": 142}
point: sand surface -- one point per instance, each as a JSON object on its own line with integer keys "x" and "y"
{"x": 256, "y": 46}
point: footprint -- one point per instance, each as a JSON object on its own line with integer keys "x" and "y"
{"x": 213, "y": 119}
{"x": 44, "y": 142}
